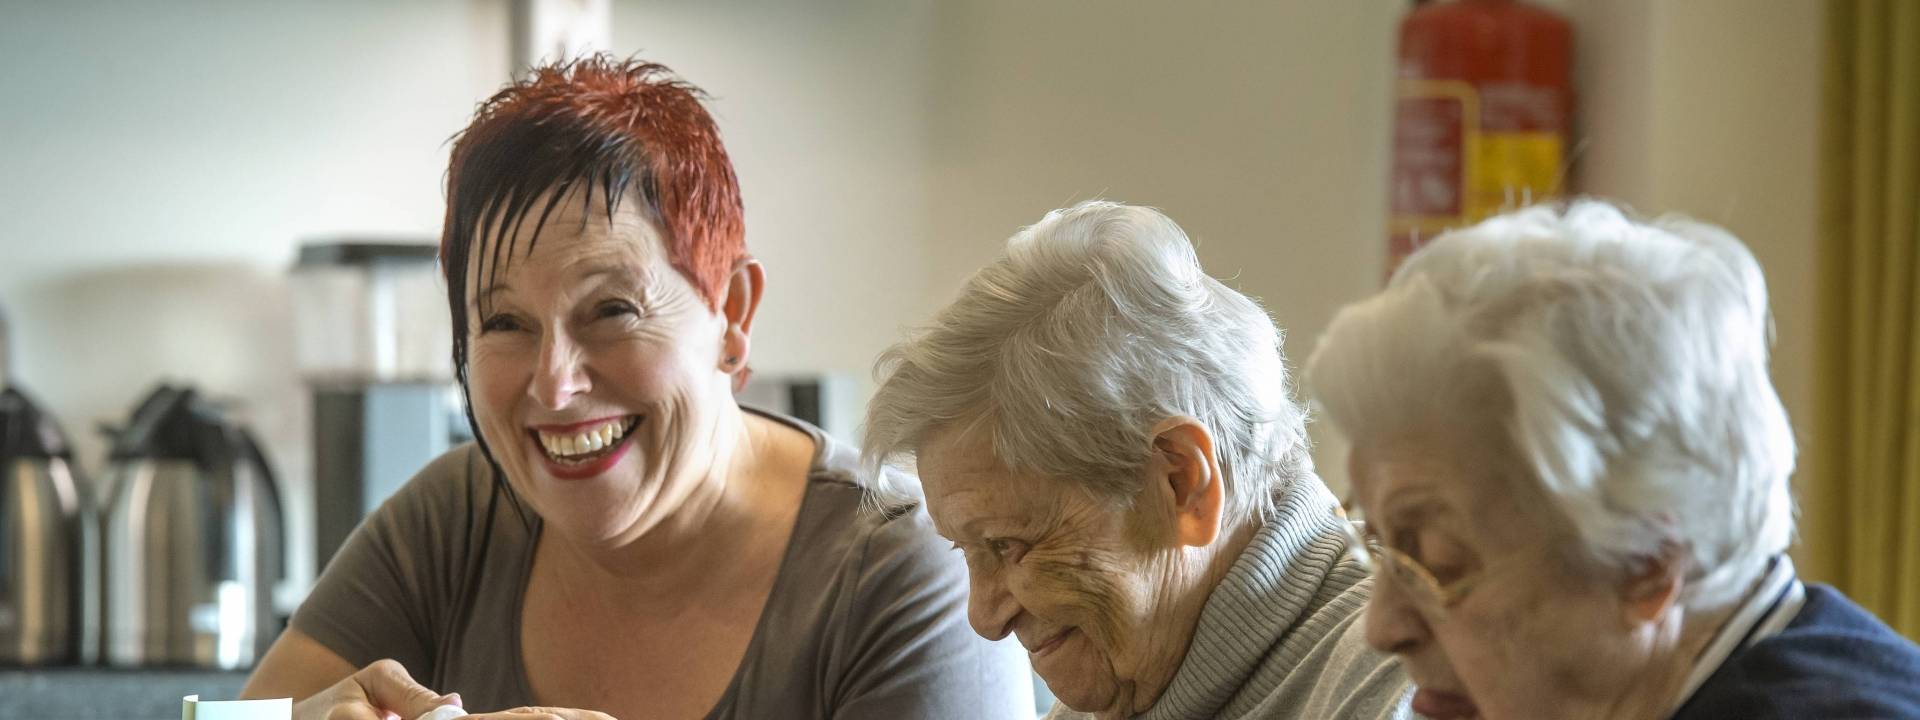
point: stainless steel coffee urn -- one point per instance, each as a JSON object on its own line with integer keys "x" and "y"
{"x": 45, "y": 549}
{"x": 192, "y": 539}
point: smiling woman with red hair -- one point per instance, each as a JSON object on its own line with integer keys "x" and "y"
{"x": 624, "y": 537}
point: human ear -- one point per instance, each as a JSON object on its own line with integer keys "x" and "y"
{"x": 1187, "y": 477}
{"x": 744, "y": 288}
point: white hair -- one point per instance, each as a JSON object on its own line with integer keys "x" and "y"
{"x": 1096, "y": 324}
{"x": 1627, "y": 361}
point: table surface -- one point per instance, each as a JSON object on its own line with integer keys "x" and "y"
{"x": 101, "y": 693}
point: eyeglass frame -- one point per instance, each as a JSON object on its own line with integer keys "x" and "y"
{"x": 1409, "y": 574}
{"x": 1425, "y": 589}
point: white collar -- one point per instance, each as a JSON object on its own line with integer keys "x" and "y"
{"x": 1764, "y": 613}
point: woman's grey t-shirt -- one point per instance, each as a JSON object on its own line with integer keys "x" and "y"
{"x": 866, "y": 619}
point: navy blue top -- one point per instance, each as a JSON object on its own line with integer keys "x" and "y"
{"x": 1834, "y": 661}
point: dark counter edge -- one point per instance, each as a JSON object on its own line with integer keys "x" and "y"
{"x": 99, "y": 693}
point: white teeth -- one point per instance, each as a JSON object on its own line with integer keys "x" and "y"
{"x": 581, "y": 443}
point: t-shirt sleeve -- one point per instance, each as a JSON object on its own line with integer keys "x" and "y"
{"x": 385, "y": 592}
{"x": 916, "y": 656}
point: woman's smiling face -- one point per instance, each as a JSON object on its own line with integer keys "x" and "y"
{"x": 1084, "y": 585}
{"x": 595, "y": 369}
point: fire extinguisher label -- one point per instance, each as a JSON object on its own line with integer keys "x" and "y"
{"x": 1433, "y": 136}
{"x": 1463, "y": 153}
{"x": 1510, "y": 170}
{"x": 1428, "y": 162}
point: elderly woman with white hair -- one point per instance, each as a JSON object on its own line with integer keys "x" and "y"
{"x": 1107, "y": 435}
{"x": 1575, "y": 471}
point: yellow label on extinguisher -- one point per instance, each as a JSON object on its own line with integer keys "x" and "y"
{"x": 1511, "y": 170}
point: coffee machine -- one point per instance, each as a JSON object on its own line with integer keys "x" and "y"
{"x": 374, "y": 346}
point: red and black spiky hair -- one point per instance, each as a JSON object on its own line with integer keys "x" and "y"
{"x": 609, "y": 126}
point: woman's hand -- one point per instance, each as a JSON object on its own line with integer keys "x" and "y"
{"x": 380, "y": 691}
{"x": 384, "y": 691}
{"x": 543, "y": 713}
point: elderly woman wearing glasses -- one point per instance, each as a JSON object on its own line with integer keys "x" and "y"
{"x": 1106, "y": 435}
{"x": 1574, "y": 469}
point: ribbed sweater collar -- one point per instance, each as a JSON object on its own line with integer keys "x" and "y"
{"x": 1277, "y": 581}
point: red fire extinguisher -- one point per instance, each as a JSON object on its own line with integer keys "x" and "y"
{"x": 1481, "y": 124}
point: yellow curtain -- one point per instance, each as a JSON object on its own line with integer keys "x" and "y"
{"x": 1861, "y": 502}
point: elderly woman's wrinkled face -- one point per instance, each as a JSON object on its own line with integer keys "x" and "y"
{"x": 1082, "y": 584}
{"x": 594, "y": 370}
{"x": 1532, "y": 635}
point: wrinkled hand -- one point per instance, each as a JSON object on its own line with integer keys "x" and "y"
{"x": 381, "y": 691}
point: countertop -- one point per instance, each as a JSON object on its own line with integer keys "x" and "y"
{"x": 95, "y": 693}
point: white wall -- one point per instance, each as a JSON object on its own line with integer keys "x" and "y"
{"x": 162, "y": 161}
{"x": 1261, "y": 127}
{"x": 823, "y": 107}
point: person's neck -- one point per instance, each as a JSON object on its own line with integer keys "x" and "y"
{"x": 1198, "y": 572}
{"x": 1654, "y": 689}
{"x": 716, "y": 513}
